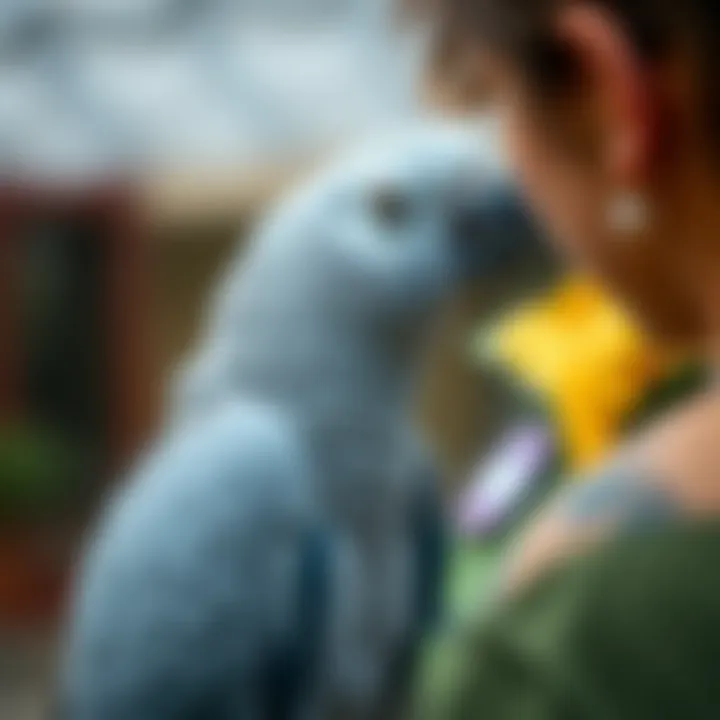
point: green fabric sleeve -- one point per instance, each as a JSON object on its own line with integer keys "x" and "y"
{"x": 631, "y": 630}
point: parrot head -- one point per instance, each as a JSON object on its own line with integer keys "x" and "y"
{"x": 384, "y": 235}
{"x": 358, "y": 261}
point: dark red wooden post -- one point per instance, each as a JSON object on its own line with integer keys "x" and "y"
{"x": 10, "y": 351}
{"x": 30, "y": 583}
{"x": 132, "y": 388}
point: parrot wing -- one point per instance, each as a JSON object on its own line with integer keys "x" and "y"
{"x": 202, "y": 595}
{"x": 430, "y": 549}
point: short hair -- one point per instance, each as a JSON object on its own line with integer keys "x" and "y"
{"x": 522, "y": 31}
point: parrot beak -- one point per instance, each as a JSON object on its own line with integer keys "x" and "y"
{"x": 494, "y": 234}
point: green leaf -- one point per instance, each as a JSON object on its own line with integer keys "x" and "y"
{"x": 38, "y": 471}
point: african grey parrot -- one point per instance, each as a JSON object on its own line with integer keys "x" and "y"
{"x": 278, "y": 551}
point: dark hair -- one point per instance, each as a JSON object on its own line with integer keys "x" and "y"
{"x": 522, "y": 31}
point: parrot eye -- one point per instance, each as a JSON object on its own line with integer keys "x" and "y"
{"x": 390, "y": 206}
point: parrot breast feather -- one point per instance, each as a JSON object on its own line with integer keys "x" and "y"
{"x": 190, "y": 588}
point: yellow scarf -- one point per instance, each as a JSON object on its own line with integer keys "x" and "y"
{"x": 580, "y": 351}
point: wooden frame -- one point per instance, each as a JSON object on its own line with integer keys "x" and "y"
{"x": 35, "y": 560}
{"x": 116, "y": 208}
{"x": 9, "y": 360}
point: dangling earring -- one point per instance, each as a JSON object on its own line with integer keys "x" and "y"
{"x": 627, "y": 213}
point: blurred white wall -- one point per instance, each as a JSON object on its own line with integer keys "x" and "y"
{"x": 175, "y": 84}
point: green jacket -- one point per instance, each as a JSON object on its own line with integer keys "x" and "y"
{"x": 631, "y": 630}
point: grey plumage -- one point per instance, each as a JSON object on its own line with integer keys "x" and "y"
{"x": 292, "y": 422}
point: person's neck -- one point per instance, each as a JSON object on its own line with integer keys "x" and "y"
{"x": 711, "y": 347}
{"x": 694, "y": 227}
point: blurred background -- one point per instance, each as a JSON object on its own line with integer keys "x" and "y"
{"x": 139, "y": 140}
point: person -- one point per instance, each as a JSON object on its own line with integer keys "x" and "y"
{"x": 609, "y": 605}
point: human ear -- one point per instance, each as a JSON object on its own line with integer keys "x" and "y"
{"x": 620, "y": 89}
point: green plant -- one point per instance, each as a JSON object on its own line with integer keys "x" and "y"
{"x": 39, "y": 472}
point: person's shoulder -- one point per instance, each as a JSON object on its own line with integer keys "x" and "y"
{"x": 683, "y": 452}
{"x": 626, "y": 630}
{"x": 618, "y": 498}
{"x": 668, "y": 473}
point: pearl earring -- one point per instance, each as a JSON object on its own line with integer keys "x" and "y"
{"x": 627, "y": 213}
